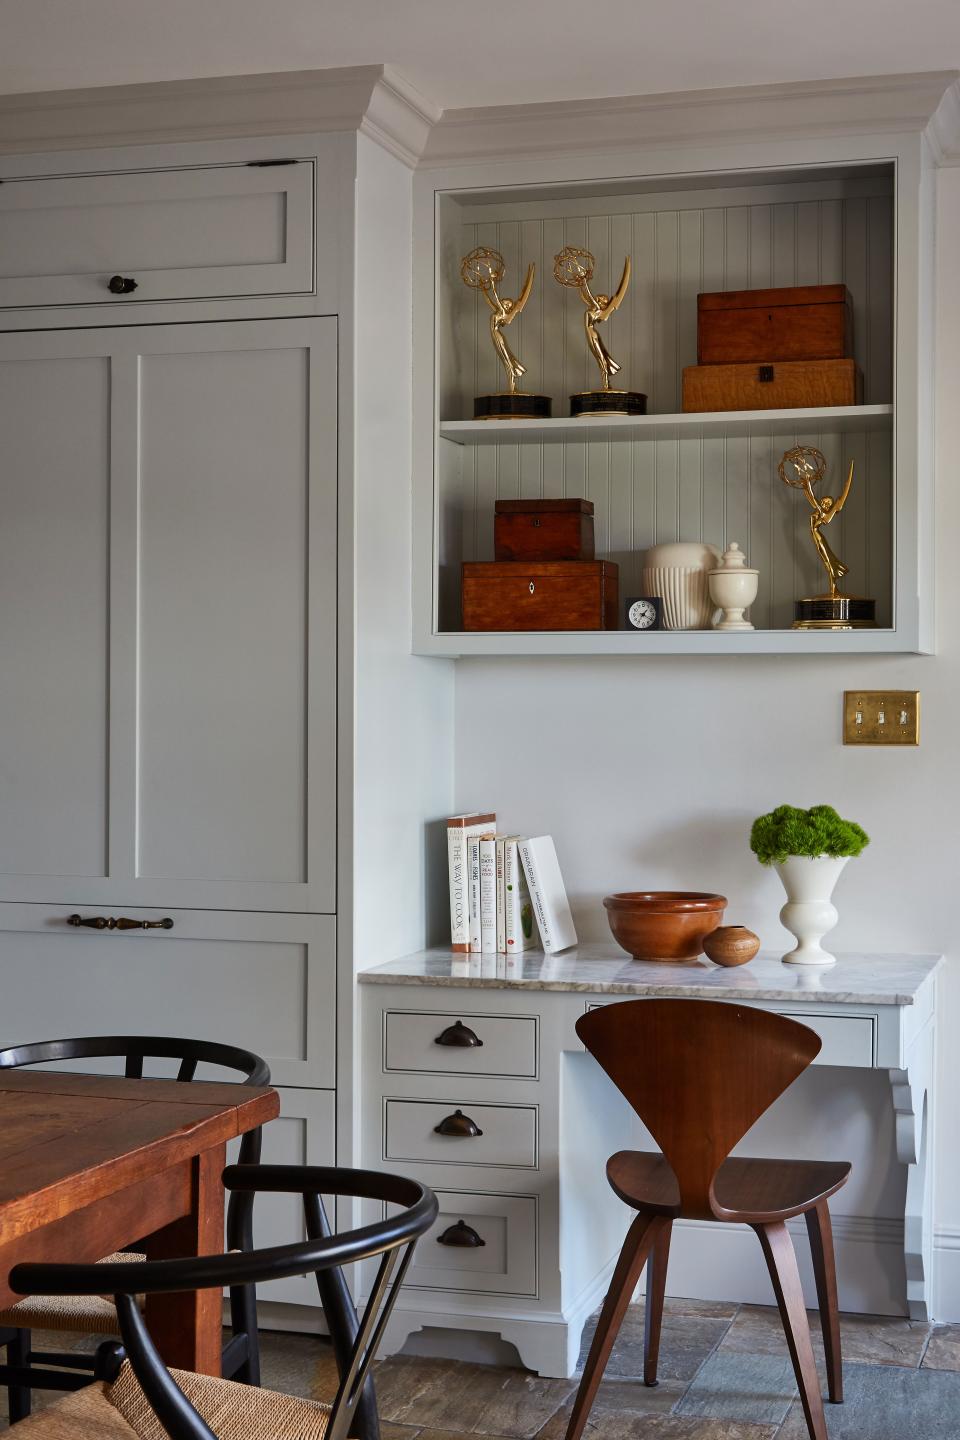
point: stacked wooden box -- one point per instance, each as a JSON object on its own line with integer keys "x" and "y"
{"x": 773, "y": 350}
{"x": 544, "y": 576}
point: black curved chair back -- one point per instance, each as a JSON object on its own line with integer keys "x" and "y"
{"x": 392, "y": 1239}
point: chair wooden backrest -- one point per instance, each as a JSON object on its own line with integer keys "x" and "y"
{"x": 699, "y": 1074}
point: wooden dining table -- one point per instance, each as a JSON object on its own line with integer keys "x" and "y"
{"x": 90, "y": 1164}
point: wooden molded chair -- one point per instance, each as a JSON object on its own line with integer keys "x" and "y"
{"x": 26, "y": 1368}
{"x": 139, "y": 1397}
{"x": 699, "y": 1074}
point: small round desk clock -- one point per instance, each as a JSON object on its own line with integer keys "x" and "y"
{"x": 643, "y": 612}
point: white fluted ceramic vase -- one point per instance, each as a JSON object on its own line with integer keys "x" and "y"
{"x": 677, "y": 572}
{"x": 809, "y": 913}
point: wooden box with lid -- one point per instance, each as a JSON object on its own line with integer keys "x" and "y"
{"x": 543, "y": 530}
{"x": 540, "y": 595}
{"x": 779, "y": 385}
{"x": 799, "y": 322}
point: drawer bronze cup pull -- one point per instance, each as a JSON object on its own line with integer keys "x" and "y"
{"x": 121, "y": 285}
{"x": 118, "y": 922}
{"x": 458, "y": 1034}
{"x": 462, "y": 1235}
{"x": 459, "y": 1125}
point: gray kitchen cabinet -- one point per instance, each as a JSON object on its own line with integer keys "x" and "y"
{"x": 168, "y": 615}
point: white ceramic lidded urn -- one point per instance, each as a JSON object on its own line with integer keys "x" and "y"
{"x": 733, "y": 589}
{"x": 678, "y": 574}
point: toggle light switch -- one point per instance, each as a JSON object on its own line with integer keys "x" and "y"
{"x": 881, "y": 717}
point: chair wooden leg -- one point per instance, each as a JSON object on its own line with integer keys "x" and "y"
{"x": 820, "y": 1232}
{"x": 781, "y": 1261}
{"x": 656, "y": 1289}
{"x": 641, "y": 1238}
{"x": 18, "y": 1396}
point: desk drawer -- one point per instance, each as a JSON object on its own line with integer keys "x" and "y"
{"x": 199, "y": 233}
{"x": 508, "y": 1043}
{"x": 508, "y": 1138}
{"x": 506, "y": 1262}
{"x": 848, "y": 1040}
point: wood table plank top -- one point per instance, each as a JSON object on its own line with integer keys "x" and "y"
{"x": 67, "y": 1141}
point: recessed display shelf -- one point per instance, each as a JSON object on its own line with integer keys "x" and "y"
{"x": 836, "y": 419}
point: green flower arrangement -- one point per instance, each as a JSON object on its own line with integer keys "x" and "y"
{"x": 820, "y": 830}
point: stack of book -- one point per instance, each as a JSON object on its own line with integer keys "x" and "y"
{"x": 503, "y": 889}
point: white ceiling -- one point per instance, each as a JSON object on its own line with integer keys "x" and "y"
{"x": 478, "y": 52}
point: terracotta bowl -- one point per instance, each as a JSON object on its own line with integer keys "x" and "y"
{"x": 731, "y": 945}
{"x": 663, "y": 924}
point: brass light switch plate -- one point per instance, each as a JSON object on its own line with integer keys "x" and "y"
{"x": 881, "y": 717}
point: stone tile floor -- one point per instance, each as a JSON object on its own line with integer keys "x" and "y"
{"x": 725, "y": 1375}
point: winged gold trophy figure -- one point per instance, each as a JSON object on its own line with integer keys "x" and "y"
{"x": 574, "y": 268}
{"x": 482, "y": 270}
{"x": 802, "y": 468}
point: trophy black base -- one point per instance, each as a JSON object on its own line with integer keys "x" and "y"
{"x": 512, "y": 407}
{"x": 608, "y": 402}
{"x": 841, "y": 612}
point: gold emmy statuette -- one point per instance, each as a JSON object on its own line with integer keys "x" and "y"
{"x": 803, "y": 468}
{"x": 482, "y": 270}
{"x": 574, "y": 268}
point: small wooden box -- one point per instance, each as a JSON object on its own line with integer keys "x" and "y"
{"x": 803, "y": 322}
{"x": 540, "y": 595}
{"x": 543, "y": 530}
{"x": 790, "y": 385}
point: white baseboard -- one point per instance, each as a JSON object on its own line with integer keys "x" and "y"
{"x": 946, "y": 1274}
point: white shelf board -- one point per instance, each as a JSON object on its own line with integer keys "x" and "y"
{"x": 833, "y": 418}
{"x": 461, "y": 644}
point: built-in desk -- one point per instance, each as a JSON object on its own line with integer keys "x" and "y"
{"x": 530, "y": 1188}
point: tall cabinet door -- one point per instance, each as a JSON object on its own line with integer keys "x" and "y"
{"x": 168, "y": 616}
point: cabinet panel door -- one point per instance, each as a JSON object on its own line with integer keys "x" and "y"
{"x": 189, "y": 234}
{"x": 210, "y": 520}
{"x": 54, "y": 586}
{"x": 264, "y": 982}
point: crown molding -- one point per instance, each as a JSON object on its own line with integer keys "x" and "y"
{"x": 886, "y": 103}
{"x": 379, "y": 102}
{"x": 371, "y": 98}
{"x": 943, "y": 131}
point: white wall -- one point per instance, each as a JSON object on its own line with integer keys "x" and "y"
{"x": 403, "y": 740}
{"x": 649, "y": 772}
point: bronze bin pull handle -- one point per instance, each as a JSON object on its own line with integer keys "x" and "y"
{"x": 119, "y": 922}
{"x": 459, "y": 1125}
{"x": 462, "y": 1235}
{"x": 458, "y": 1034}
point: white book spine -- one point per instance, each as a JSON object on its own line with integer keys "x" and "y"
{"x": 473, "y": 886}
{"x": 501, "y": 897}
{"x": 519, "y": 924}
{"x": 488, "y": 893}
{"x": 459, "y": 901}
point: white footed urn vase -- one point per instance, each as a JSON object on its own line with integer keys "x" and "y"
{"x": 809, "y": 913}
{"x": 733, "y": 589}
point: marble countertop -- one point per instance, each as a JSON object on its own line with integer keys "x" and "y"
{"x": 606, "y": 970}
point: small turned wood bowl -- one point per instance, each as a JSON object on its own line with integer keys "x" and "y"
{"x": 731, "y": 945}
{"x": 663, "y": 925}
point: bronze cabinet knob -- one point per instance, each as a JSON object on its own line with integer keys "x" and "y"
{"x": 458, "y": 1125}
{"x": 458, "y": 1034}
{"x": 121, "y": 285}
{"x": 462, "y": 1235}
